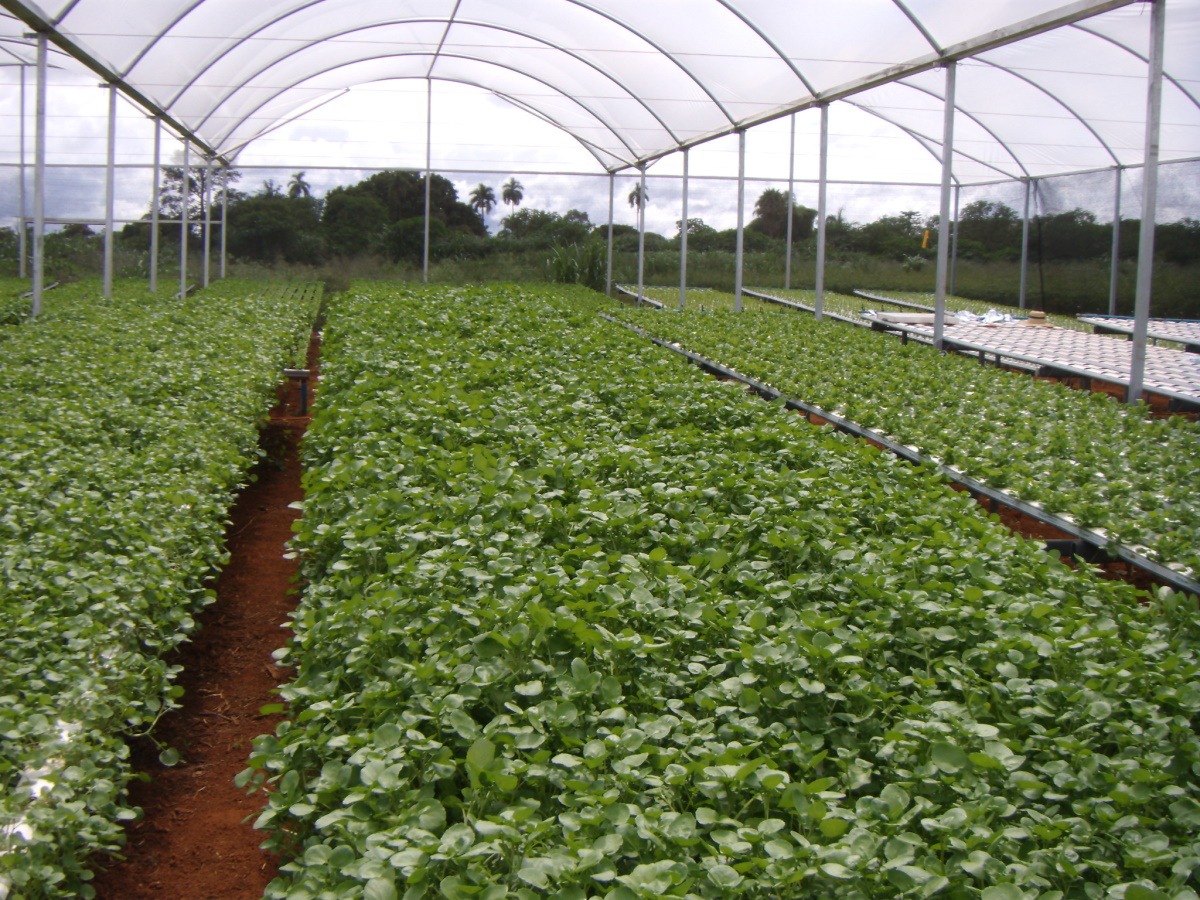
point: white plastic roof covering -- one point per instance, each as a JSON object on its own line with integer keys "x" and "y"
{"x": 1042, "y": 88}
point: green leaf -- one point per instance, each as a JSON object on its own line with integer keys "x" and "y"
{"x": 481, "y": 755}
{"x": 724, "y": 876}
{"x": 169, "y": 757}
{"x": 1141, "y": 892}
{"x": 834, "y": 828}
{"x": 1002, "y": 892}
{"x": 653, "y": 878}
{"x": 837, "y": 870}
{"x": 949, "y": 758}
{"x": 379, "y": 889}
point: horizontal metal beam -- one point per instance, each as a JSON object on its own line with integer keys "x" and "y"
{"x": 1001, "y": 37}
{"x": 1084, "y": 536}
{"x": 41, "y": 25}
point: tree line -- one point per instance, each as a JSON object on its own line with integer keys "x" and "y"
{"x": 384, "y": 216}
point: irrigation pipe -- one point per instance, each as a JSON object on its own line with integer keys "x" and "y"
{"x": 1088, "y": 544}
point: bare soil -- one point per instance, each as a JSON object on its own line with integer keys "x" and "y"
{"x": 195, "y": 839}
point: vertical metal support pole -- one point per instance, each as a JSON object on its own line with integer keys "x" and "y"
{"x": 23, "y": 230}
{"x": 155, "y": 200}
{"x": 822, "y": 190}
{"x": 739, "y": 253}
{"x": 641, "y": 210}
{"x": 1024, "y": 286}
{"x": 954, "y": 240}
{"x": 207, "y": 195}
{"x": 612, "y": 189}
{"x": 184, "y": 225}
{"x": 787, "y": 260}
{"x": 39, "y": 180}
{"x": 1115, "y": 270}
{"x": 943, "y": 255}
{"x": 224, "y": 220}
{"x": 110, "y": 178}
{"x": 1145, "y": 267}
{"x": 683, "y": 236}
{"x": 428, "y": 177}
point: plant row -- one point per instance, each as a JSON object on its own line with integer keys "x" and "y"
{"x": 832, "y": 302}
{"x": 128, "y": 426}
{"x": 581, "y": 621}
{"x": 1085, "y": 456}
{"x": 13, "y": 308}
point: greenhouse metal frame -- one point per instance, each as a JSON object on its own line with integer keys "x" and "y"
{"x": 996, "y": 92}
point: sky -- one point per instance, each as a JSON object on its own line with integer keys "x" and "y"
{"x": 480, "y": 138}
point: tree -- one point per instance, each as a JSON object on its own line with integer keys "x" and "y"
{"x": 513, "y": 192}
{"x": 298, "y": 187}
{"x": 173, "y": 190}
{"x": 989, "y": 230}
{"x": 1074, "y": 234}
{"x": 353, "y": 223}
{"x": 357, "y": 217}
{"x": 271, "y": 228}
{"x": 639, "y": 196}
{"x": 483, "y": 200}
{"x": 771, "y": 212}
{"x": 897, "y": 237}
{"x": 541, "y": 228}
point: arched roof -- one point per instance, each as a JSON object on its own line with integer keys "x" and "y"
{"x": 1043, "y": 86}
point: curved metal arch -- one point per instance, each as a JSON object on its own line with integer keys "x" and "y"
{"x": 192, "y": 7}
{"x": 326, "y": 71}
{"x": 472, "y": 23}
{"x": 920, "y": 26}
{"x": 699, "y": 82}
{"x": 808, "y": 85}
{"x": 312, "y": 3}
{"x": 974, "y": 118}
{"x": 1049, "y": 93}
{"x": 1141, "y": 56}
{"x": 926, "y": 140}
{"x": 596, "y": 151}
{"x": 51, "y": 50}
{"x": 233, "y": 151}
{"x": 449, "y": 23}
{"x": 66, "y": 12}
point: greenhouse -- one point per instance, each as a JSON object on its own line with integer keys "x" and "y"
{"x": 567, "y": 616}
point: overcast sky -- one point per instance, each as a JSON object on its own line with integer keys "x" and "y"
{"x": 478, "y": 137}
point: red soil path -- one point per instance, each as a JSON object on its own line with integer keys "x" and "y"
{"x": 195, "y": 840}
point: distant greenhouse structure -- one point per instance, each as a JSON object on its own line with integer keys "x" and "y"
{"x": 1045, "y": 105}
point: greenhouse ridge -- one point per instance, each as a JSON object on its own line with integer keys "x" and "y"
{"x": 634, "y": 81}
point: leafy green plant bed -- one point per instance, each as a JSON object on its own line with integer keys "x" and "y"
{"x": 701, "y": 299}
{"x": 128, "y": 425}
{"x": 13, "y": 309}
{"x": 1085, "y": 456}
{"x": 581, "y": 621}
{"x": 832, "y": 302}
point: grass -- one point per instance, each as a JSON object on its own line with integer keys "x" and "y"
{"x": 1066, "y": 288}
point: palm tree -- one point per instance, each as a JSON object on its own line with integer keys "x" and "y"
{"x": 638, "y": 196}
{"x": 483, "y": 199}
{"x": 298, "y": 187}
{"x": 512, "y": 192}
